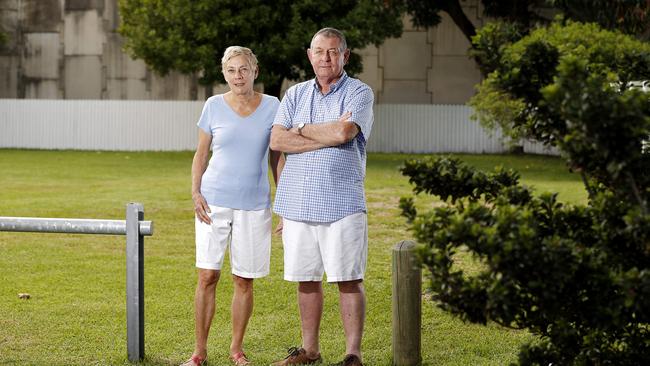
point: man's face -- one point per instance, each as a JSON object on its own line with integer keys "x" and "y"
{"x": 326, "y": 57}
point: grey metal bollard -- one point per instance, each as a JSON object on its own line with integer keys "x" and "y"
{"x": 407, "y": 306}
{"x": 134, "y": 282}
{"x": 135, "y": 230}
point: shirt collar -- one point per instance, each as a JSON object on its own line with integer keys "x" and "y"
{"x": 335, "y": 86}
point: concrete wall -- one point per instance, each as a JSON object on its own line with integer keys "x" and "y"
{"x": 70, "y": 49}
{"x": 425, "y": 66}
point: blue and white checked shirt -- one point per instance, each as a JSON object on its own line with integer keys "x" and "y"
{"x": 325, "y": 185}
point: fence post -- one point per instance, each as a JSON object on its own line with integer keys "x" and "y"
{"x": 407, "y": 306}
{"x": 134, "y": 282}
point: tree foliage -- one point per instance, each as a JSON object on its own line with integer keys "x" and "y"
{"x": 511, "y": 97}
{"x": 577, "y": 276}
{"x": 426, "y": 14}
{"x": 190, "y": 35}
{"x": 629, "y": 16}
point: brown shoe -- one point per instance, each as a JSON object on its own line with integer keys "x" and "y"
{"x": 298, "y": 356}
{"x": 350, "y": 360}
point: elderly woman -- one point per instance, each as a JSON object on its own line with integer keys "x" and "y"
{"x": 231, "y": 197}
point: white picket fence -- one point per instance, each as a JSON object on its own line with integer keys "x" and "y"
{"x": 171, "y": 126}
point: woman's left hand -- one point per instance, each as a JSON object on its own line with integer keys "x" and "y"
{"x": 278, "y": 228}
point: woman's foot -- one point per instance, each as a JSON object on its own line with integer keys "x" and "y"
{"x": 239, "y": 359}
{"x": 195, "y": 360}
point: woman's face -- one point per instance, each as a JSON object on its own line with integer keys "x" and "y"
{"x": 240, "y": 75}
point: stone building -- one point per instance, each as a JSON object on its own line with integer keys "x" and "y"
{"x": 70, "y": 49}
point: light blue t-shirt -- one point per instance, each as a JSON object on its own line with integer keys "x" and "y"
{"x": 237, "y": 174}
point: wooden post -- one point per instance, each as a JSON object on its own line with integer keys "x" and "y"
{"x": 407, "y": 306}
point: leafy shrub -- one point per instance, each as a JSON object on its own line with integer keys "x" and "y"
{"x": 577, "y": 276}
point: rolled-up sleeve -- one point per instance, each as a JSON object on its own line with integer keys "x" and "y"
{"x": 361, "y": 105}
{"x": 286, "y": 111}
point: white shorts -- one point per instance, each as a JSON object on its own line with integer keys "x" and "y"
{"x": 249, "y": 235}
{"x": 339, "y": 248}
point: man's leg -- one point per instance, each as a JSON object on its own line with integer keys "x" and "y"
{"x": 345, "y": 247}
{"x": 310, "y": 302}
{"x": 242, "y": 308}
{"x": 204, "y": 304}
{"x": 302, "y": 264}
{"x": 352, "y": 302}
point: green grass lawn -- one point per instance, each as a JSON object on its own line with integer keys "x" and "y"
{"x": 77, "y": 313}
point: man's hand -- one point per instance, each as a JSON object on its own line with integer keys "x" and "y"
{"x": 344, "y": 118}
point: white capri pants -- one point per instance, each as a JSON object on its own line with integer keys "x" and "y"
{"x": 249, "y": 236}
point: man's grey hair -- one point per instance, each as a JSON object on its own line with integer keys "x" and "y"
{"x": 331, "y": 33}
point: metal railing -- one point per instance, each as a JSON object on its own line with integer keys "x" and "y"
{"x": 135, "y": 230}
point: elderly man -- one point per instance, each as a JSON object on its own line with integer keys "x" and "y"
{"x": 323, "y": 125}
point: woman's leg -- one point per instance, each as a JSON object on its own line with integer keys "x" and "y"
{"x": 242, "y": 308}
{"x": 204, "y": 305}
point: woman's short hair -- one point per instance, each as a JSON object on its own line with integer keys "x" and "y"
{"x": 234, "y": 51}
{"x": 331, "y": 33}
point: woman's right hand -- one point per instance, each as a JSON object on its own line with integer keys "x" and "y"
{"x": 201, "y": 208}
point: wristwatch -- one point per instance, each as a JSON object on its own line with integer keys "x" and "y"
{"x": 301, "y": 125}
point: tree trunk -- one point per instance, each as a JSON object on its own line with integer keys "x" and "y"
{"x": 274, "y": 89}
{"x": 194, "y": 87}
{"x": 209, "y": 90}
{"x": 455, "y": 11}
